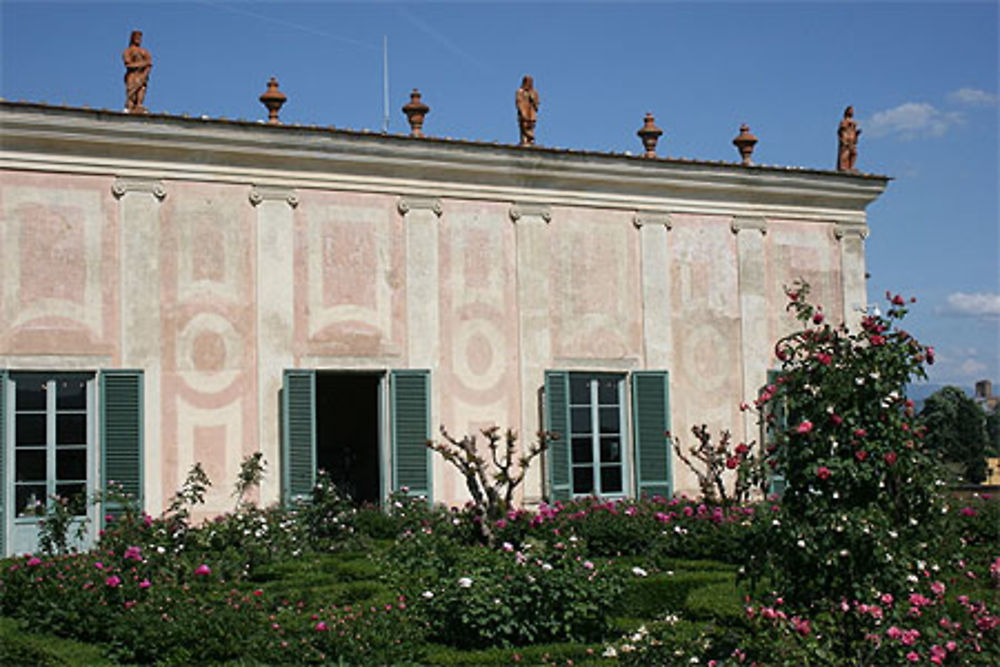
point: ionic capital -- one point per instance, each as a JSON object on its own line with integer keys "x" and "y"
{"x": 841, "y": 230}
{"x": 262, "y": 193}
{"x": 643, "y": 218}
{"x": 519, "y": 211}
{"x": 123, "y": 186}
{"x": 432, "y": 204}
{"x": 749, "y": 222}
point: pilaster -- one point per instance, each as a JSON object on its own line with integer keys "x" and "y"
{"x": 534, "y": 324}
{"x": 275, "y": 277}
{"x": 139, "y": 208}
{"x": 420, "y": 219}
{"x": 852, "y": 270}
{"x": 754, "y": 343}
{"x": 657, "y": 336}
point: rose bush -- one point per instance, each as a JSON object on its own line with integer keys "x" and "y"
{"x": 862, "y": 503}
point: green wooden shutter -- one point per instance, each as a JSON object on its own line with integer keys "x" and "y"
{"x": 557, "y": 422}
{"x": 410, "y": 401}
{"x": 298, "y": 434}
{"x": 3, "y": 458}
{"x": 777, "y": 408}
{"x": 650, "y": 422}
{"x": 122, "y": 433}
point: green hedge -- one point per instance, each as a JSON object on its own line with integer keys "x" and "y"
{"x": 662, "y": 593}
{"x": 19, "y": 647}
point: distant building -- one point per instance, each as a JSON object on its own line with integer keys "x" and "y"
{"x": 984, "y": 395}
{"x": 179, "y": 290}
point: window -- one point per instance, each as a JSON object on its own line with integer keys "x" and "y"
{"x": 335, "y": 420}
{"x": 597, "y": 411}
{"x": 52, "y": 441}
{"x": 65, "y": 435}
{"x": 594, "y": 453}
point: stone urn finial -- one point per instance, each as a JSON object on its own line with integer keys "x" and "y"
{"x": 649, "y": 134}
{"x": 273, "y": 98}
{"x": 744, "y": 143}
{"x": 415, "y": 111}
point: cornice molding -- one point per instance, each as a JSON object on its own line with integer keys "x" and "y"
{"x": 521, "y": 211}
{"x": 749, "y": 222}
{"x": 123, "y": 186}
{"x": 432, "y": 204}
{"x": 262, "y": 193}
{"x": 77, "y": 141}
{"x": 643, "y": 218}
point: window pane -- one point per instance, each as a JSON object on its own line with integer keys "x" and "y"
{"x": 71, "y": 464}
{"x": 580, "y": 420}
{"x": 610, "y": 422}
{"x": 71, "y": 394}
{"x": 607, "y": 391}
{"x": 611, "y": 450}
{"x": 583, "y": 480}
{"x": 30, "y": 393}
{"x": 579, "y": 390}
{"x": 30, "y": 430}
{"x": 583, "y": 450}
{"x": 76, "y": 495}
{"x": 71, "y": 429}
{"x": 30, "y": 499}
{"x": 611, "y": 479}
{"x": 30, "y": 465}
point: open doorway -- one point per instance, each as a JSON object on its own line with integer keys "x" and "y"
{"x": 348, "y": 422}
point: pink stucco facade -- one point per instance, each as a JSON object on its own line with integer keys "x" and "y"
{"x": 215, "y": 273}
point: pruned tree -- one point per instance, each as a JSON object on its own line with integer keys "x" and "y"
{"x": 491, "y": 481}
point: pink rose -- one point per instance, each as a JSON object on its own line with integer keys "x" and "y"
{"x": 805, "y": 427}
{"x": 113, "y": 581}
{"x": 890, "y": 458}
{"x": 823, "y": 472}
{"x": 818, "y": 318}
{"x": 202, "y": 570}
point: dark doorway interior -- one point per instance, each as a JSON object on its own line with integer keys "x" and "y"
{"x": 347, "y": 432}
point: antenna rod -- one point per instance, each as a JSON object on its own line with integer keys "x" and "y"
{"x": 385, "y": 83}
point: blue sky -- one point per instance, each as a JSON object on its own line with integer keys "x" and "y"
{"x": 922, "y": 76}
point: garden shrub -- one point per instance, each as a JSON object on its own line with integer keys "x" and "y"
{"x": 976, "y": 520}
{"x": 501, "y": 598}
{"x": 861, "y": 504}
{"x": 674, "y": 640}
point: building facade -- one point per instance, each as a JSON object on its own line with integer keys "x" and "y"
{"x": 178, "y": 290}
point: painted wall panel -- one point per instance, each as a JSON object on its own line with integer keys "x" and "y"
{"x": 706, "y": 383}
{"x": 58, "y": 266}
{"x": 349, "y": 276}
{"x": 478, "y": 376}
{"x": 208, "y": 393}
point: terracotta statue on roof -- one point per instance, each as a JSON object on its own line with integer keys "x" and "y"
{"x": 526, "y": 100}
{"x": 138, "y": 62}
{"x": 847, "y": 134}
